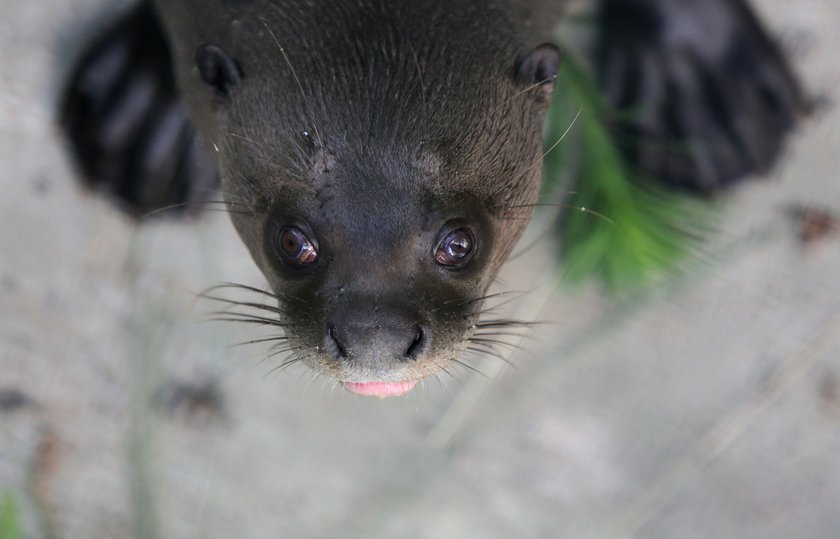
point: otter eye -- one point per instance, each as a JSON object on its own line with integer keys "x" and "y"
{"x": 296, "y": 248}
{"x": 456, "y": 248}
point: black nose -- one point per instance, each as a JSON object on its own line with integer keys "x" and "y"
{"x": 377, "y": 343}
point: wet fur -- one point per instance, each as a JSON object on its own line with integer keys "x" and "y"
{"x": 363, "y": 110}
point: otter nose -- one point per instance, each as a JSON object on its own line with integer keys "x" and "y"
{"x": 376, "y": 344}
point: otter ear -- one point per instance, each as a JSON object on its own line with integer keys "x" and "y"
{"x": 218, "y": 70}
{"x": 539, "y": 70}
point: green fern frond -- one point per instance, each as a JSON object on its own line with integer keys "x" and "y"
{"x": 627, "y": 231}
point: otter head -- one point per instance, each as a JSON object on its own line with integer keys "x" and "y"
{"x": 385, "y": 180}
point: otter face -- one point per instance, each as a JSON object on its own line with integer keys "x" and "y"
{"x": 380, "y": 218}
{"x": 376, "y": 292}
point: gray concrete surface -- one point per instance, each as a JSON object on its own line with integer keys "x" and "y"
{"x": 709, "y": 410}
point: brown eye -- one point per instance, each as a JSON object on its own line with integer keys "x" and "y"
{"x": 296, "y": 249}
{"x": 456, "y": 248}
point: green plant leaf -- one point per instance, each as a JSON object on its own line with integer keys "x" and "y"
{"x": 619, "y": 227}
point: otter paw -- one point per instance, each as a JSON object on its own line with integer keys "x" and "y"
{"x": 126, "y": 126}
{"x": 705, "y": 96}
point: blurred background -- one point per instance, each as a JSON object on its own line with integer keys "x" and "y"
{"x": 709, "y": 407}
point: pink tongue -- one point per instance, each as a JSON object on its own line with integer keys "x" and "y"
{"x": 380, "y": 389}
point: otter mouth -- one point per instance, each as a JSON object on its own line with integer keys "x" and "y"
{"x": 381, "y": 390}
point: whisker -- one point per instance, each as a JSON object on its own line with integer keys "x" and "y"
{"x": 229, "y": 212}
{"x": 238, "y": 314}
{"x": 504, "y": 334}
{"x": 256, "y": 321}
{"x": 259, "y": 306}
{"x": 486, "y": 311}
{"x": 499, "y": 294}
{"x": 294, "y": 74}
{"x": 491, "y": 342}
{"x": 539, "y": 161}
{"x": 276, "y": 346}
{"x": 502, "y": 323}
{"x": 508, "y": 218}
{"x": 470, "y": 367}
{"x": 315, "y": 376}
{"x": 282, "y": 366}
{"x": 451, "y": 375}
{"x": 482, "y": 352}
{"x": 277, "y": 353}
{"x": 531, "y": 87}
{"x": 582, "y": 209}
{"x": 257, "y": 341}
{"x": 557, "y": 142}
{"x": 229, "y": 284}
{"x": 201, "y": 205}
{"x": 224, "y": 285}
{"x": 225, "y": 202}
{"x": 160, "y": 210}
{"x": 419, "y": 74}
{"x": 462, "y": 302}
{"x": 252, "y": 141}
{"x": 265, "y": 197}
{"x": 492, "y": 308}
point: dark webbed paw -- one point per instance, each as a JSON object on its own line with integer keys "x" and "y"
{"x": 126, "y": 126}
{"x": 706, "y": 96}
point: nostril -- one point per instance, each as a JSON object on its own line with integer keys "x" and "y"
{"x": 418, "y": 345}
{"x": 338, "y": 349}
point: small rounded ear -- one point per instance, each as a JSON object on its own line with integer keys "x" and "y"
{"x": 218, "y": 70}
{"x": 539, "y": 70}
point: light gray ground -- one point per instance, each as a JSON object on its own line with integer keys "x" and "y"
{"x": 710, "y": 410}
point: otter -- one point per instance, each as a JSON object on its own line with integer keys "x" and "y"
{"x": 381, "y": 159}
